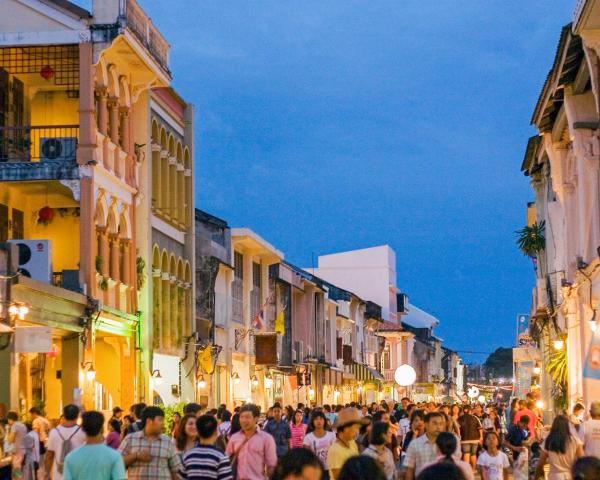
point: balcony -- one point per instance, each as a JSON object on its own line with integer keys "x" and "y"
{"x": 38, "y": 153}
{"x": 144, "y": 30}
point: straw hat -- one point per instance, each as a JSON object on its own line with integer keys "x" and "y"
{"x": 348, "y": 416}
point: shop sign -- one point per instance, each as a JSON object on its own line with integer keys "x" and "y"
{"x": 523, "y": 332}
{"x": 33, "y": 339}
{"x": 265, "y": 348}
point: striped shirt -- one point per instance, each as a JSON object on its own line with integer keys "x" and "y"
{"x": 206, "y": 462}
{"x": 298, "y": 432}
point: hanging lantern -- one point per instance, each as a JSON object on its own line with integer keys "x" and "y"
{"x": 47, "y": 72}
{"x": 405, "y": 375}
{"x": 54, "y": 352}
{"x": 45, "y": 215}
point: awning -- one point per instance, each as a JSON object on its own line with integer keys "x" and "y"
{"x": 365, "y": 374}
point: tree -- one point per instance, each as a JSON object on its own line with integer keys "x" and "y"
{"x": 499, "y": 363}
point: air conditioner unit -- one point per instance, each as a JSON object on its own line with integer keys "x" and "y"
{"x": 35, "y": 259}
{"x": 58, "y": 148}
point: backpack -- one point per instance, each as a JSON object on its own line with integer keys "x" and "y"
{"x": 67, "y": 447}
{"x": 222, "y": 440}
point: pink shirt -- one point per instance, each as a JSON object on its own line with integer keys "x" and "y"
{"x": 298, "y": 433}
{"x": 533, "y": 419}
{"x": 253, "y": 456}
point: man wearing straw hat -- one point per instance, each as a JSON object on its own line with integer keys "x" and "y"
{"x": 346, "y": 426}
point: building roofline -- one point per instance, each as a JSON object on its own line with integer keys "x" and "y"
{"x": 69, "y": 7}
{"x": 203, "y": 216}
{"x": 247, "y": 232}
{"x": 567, "y": 60}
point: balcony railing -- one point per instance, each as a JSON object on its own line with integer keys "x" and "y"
{"x": 39, "y": 143}
{"x": 145, "y": 31}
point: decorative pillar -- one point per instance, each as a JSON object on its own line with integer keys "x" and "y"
{"x": 125, "y": 134}
{"x": 114, "y": 256}
{"x": 102, "y": 96}
{"x": 114, "y": 119}
{"x": 126, "y": 262}
{"x": 86, "y": 147}
{"x": 104, "y": 251}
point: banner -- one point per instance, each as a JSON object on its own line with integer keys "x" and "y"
{"x": 523, "y": 335}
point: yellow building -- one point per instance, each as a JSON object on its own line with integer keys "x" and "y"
{"x": 96, "y": 181}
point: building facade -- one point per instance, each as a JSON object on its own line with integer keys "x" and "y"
{"x": 563, "y": 164}
{"x": 86, "y": 116}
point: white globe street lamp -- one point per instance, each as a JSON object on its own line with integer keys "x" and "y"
{"x": 405, "y": 375}
{"x": 473, "y": 392}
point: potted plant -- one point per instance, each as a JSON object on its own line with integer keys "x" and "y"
{"x": 531, "y": 240}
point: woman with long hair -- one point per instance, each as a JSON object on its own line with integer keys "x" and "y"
{"x": 175, "y": 425}
{"x": 381, "y": 435}
{"x": 417, "y": 428}
{"x": 187, "y": 433}
{"x": 298, "y": 429}
{"x": 319, "y": 437}
{"x": 560, "y": 450}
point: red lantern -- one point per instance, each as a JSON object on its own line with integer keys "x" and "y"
{"x": 47, "y": 72}
{"x": 54, "y": 352}
{"x": 45, "y": 215}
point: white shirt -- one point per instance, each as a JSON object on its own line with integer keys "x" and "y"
{"x": 224, "y": 428}
{"x": 494, "y": 466}
{"x": 320, "y": 446}
{"x": 589, "y": 432}
{"x": 55, "y": 444}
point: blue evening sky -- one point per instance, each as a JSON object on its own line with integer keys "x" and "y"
{"x": 334, "y": 125}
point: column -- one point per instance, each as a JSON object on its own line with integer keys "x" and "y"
{"x": 114, "y": 256}
{"x": 114, "y": 119}
{"x": 126, "y": 262}
{"x": 102, "y": 96}
{"x": 125, "y": 134}
{"x": 125, "y": 140}
{"x": 104, "y": 251}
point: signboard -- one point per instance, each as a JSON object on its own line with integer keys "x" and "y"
{"x": 33, "y": 339}
{"x": 523, "y": 336}
{"x": 265, "y": 348}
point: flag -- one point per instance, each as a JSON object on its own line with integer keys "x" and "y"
{"x": 205, "y": 360}
{"x": 280, "y": 322}
{"x": 258, "y": 322}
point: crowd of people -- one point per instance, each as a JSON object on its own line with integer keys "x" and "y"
{"x": 382, "y": 441}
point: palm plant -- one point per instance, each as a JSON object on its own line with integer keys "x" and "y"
{"x": 558, "y": 368}
{"x": 531, "y": 240}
